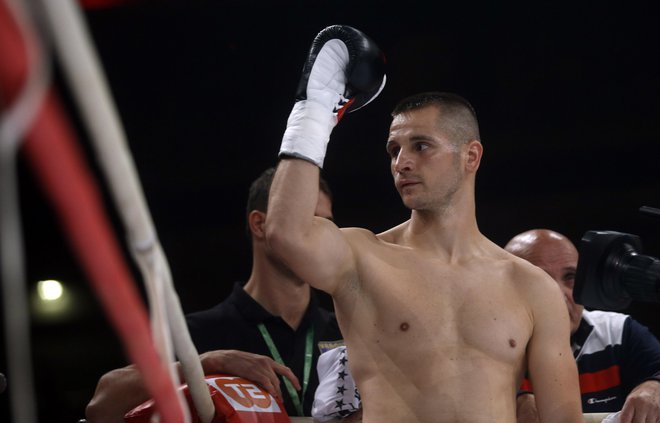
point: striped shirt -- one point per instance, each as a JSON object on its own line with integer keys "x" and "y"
{"x": 614, "y": 354}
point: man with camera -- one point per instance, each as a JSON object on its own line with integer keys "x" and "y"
{"x": 618, "y": 358}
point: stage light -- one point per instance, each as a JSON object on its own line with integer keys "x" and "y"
{"x": 53, "y": 302}
{"x": 50, "y": 290}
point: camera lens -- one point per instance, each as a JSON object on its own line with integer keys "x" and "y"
{"x": 612, "y": 273}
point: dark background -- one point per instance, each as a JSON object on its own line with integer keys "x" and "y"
{"x": 567, "y": 96}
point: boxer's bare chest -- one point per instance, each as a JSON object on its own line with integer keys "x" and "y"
{"x": 415, "y": 303}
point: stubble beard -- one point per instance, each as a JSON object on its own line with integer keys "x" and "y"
{"x": 437, "y": 203}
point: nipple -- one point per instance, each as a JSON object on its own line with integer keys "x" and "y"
{"x": 512, "y": 342}
{"x": 404, "y": 326}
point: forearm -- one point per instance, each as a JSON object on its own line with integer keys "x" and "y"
{"x": 310, "y": 246}
{"x": 292, "y": 202}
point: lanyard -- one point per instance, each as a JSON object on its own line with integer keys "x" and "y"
{"x": 309, "y": 341}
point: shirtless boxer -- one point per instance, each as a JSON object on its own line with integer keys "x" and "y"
{"x": 440, "y": 322}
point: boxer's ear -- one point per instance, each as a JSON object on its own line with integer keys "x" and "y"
{"x": 474, "y": 150}
{"x": 256, "y": 222}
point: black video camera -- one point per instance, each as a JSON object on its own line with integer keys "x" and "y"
{"x": 611, "y": 272}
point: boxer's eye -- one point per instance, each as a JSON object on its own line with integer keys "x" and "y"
{"x": 393, "y": 150}
{"x": 421, "y": 146}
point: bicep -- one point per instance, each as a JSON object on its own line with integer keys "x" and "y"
{"x": 325, "y": 257}
{"x": 551, "y": 365}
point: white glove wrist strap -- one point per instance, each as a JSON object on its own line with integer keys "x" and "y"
{"x": 308, "y": 132}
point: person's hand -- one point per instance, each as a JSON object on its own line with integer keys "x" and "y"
{"x": 117, "y": 391}
{"x": 260, "y": 369}
{"x": 642, "y": 404}
{"x": 526, "y": 409}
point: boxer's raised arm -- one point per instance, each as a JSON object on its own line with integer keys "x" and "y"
{"x": 343, "y": 72}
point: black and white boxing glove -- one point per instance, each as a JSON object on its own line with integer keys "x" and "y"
{"x": 344, "y": 71}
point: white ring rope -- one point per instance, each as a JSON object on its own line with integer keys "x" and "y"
{"x": 91, "y": 92}
{"x": 14, "y": 123}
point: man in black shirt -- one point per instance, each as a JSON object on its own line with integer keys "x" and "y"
{"x": 265, "y": 328}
